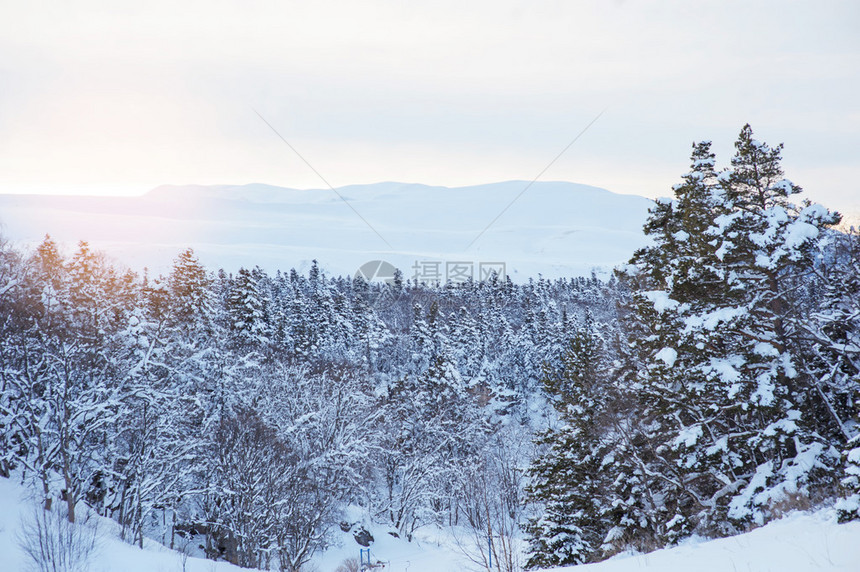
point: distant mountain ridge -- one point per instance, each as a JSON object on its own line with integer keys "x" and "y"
{"x": 553, "y": 228}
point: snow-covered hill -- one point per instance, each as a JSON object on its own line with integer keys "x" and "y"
{"x": 797, "y": 543}
{"x": 554, "y": 228}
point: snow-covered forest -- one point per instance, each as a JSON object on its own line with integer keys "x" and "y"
{"x": 711, "y": 386}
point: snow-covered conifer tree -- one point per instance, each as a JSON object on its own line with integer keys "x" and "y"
{"x": 568, "y": 479}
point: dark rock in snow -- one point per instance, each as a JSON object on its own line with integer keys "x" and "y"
{"x": 363, "y": 537}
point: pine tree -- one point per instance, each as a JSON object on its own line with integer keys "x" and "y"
{"x": 767, "y": 245}
{"x": 566, "y": 479}
{"x": 678, "y": 282}
{"x": 716, "y": 334}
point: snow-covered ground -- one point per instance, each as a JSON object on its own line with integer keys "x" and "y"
{"x": 797, "y": 543}
{"x": 111, "y": 553}
{"x": 554, "y": 228}
{"x": 431, "y": 550}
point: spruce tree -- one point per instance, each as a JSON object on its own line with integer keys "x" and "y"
{"x": 566, "y": 479}
{"x": 246, "y": 310}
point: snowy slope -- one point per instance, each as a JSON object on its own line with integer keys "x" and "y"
{"x": 554, "y": 228}
{"x": 112, "y": 554}
{"x": 797, "y": 543}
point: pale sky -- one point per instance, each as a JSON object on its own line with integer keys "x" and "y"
{"x": 101, "y": 99}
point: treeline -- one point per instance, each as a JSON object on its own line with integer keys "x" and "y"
{"x": 245, "y": 412}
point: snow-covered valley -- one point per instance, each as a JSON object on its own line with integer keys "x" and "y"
{"x": 277, "y": 420}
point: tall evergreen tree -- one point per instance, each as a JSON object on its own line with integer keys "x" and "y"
{"x": 720, "y": 390}
{"x": 566, "y": 479}
{"x": 768, "y": 244}
{"x": 247, "y": 311}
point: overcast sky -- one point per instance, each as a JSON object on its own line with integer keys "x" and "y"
{"x": 100, "y": 99}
